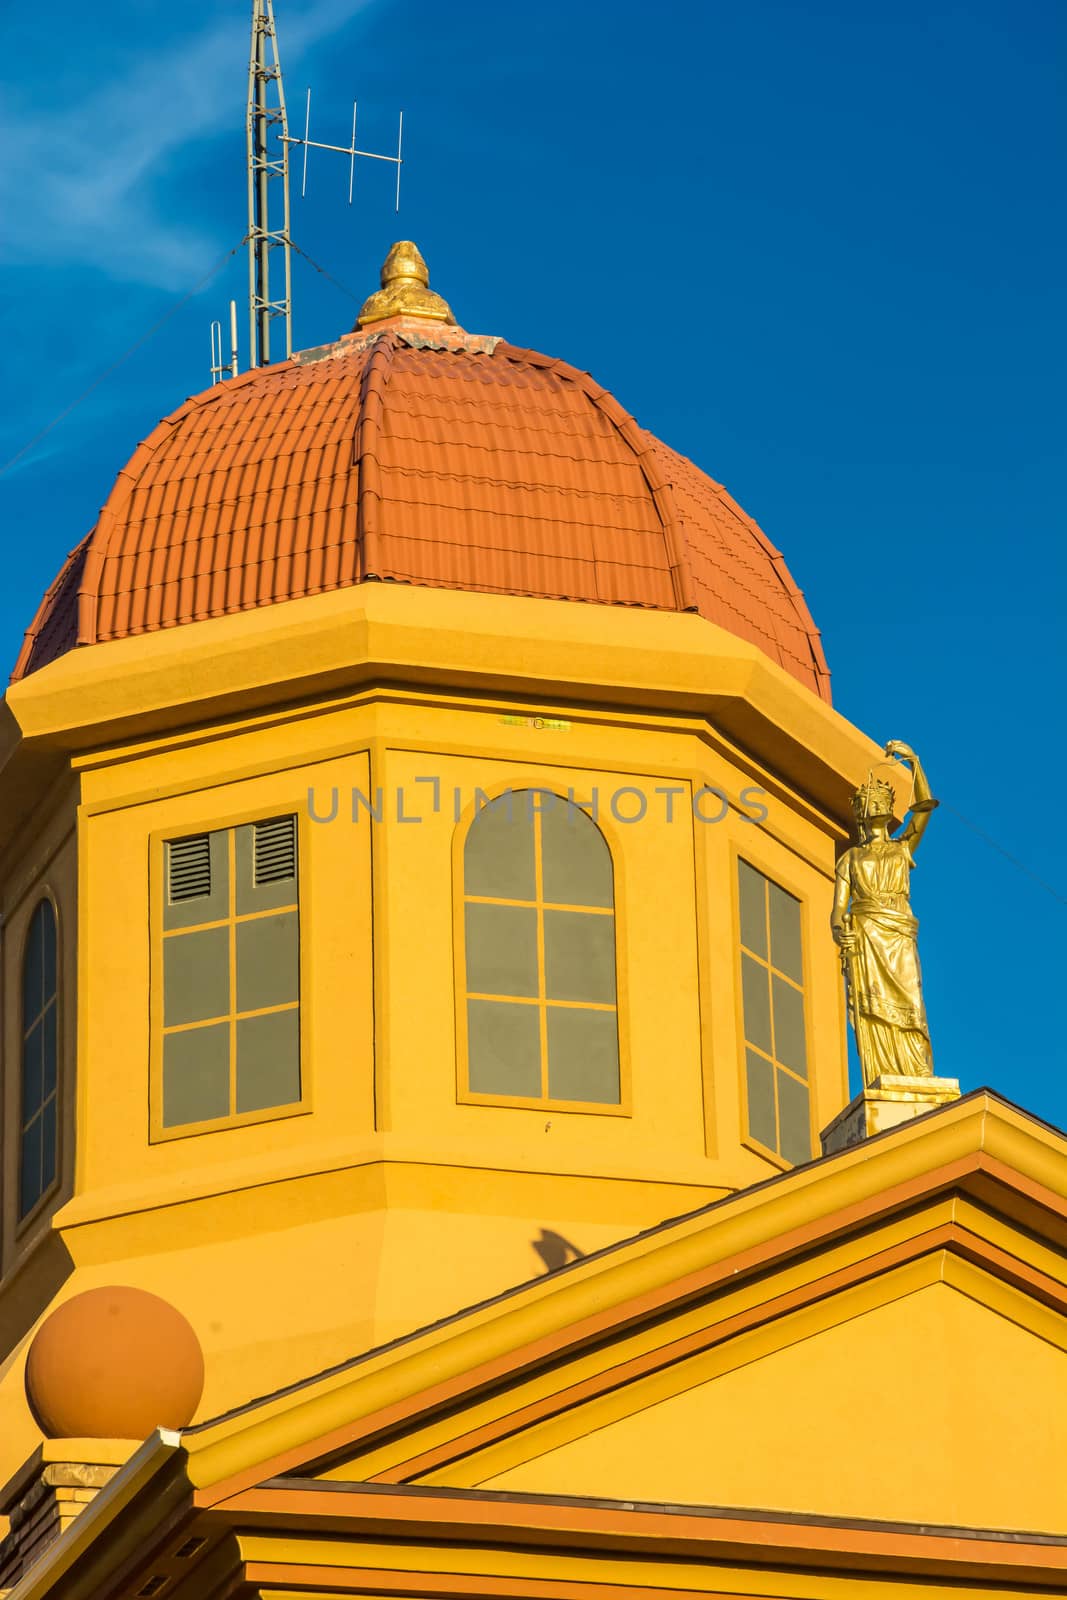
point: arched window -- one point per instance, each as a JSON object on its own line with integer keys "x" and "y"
{"x": 40, "y": 1054}
{"x": 537, "y": 967}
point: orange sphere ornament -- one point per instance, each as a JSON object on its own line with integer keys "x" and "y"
{"x": 114, "y": 1363}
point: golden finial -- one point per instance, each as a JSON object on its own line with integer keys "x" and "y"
{"x": 405, "y": 290}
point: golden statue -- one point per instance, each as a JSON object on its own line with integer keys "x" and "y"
{"x": 876, "y": 932}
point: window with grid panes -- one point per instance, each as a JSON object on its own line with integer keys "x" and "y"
{"x": 230, "y": 974}
{"x": 38, "y": 1130}
{"x": 538, "y": 963}
{"x": 772, "y": 990}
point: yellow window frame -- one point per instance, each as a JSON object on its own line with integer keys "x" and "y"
{"x": 159, "y": 1132}
{"x": 804, "y": 989}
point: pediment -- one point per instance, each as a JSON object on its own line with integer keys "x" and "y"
{"x": 846, "y": 1341}
{"x": 930, "y": 1406}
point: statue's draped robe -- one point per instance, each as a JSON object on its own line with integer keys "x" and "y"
{"x": 886, "y": 985}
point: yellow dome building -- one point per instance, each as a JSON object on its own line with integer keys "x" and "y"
{"x": 421, "y": 797}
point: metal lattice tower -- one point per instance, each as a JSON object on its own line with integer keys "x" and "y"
{"x": 268, "y": 161}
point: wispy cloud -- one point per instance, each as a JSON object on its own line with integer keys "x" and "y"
{"x": 87, "y": 182}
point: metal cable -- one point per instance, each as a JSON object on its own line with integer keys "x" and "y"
{"x": 327, "y": 275}
{"x": 98, "y": 380}
{"x": 999, "y": 848}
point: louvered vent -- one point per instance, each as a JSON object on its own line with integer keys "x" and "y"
{"x": 189, "y": 868}
{"x": 275, "y": 850}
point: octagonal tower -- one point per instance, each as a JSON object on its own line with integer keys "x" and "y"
{"x": 422, "y": 796}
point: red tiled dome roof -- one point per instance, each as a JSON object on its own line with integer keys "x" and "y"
{"x": 416, "y": 454}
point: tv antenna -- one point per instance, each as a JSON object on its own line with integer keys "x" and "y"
{"x": 269, "y": 143}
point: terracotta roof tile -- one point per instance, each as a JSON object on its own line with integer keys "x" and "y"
{"x": 453, "y": 467}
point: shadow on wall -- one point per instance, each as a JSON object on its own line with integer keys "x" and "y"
{"x": 555, "y": 1251}
{"x": 46, "y": 1270}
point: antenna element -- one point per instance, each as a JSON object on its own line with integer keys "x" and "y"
{"x": 222, "y": 369}
{"x": 348, "y": 150}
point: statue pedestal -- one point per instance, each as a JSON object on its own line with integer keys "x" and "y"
{"x": 884, "y": 1104}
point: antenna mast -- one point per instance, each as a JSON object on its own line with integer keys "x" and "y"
{"x": 268, "y": 159}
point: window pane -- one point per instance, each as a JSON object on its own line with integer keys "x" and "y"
{"x": 268, "y": 961}
{"x": 277, "y": 881}
{"x": 30, "y": 1168}
{"x": 756, "y": 995}
{"x": 501, "y": 950}
{"x": 504, "y": 1048}
{"x": 48, "y": 1145}
{"x": 33, "y": 970}
{"x": 196, "y": 976}
{"x": 268, "y": 1060}
{"x": 211, "y": 907}
{"x": 37, "y": 1148}
{"x": 498, "y": 857}
{"x": 48, "y": 951}
{"x": 752, "y": 897}
{"x": 32, "y": 1072}
{"x": 794, "y": 1118}
{"x": 579, "y": 956}
{"x": 785, "y": 934}
{"x": 789, "y": 1046}
{"x": 49, "y": 1050}
{"x": 575, "y": 859}
{"x": 196, "y": 1075}
{"x": 583, "y": 1055}
{"x": 760, "y": 1075}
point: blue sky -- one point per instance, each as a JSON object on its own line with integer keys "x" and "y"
{"x": 819, "y": 248}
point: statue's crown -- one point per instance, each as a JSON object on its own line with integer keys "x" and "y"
{"x": 874, "y": 798}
